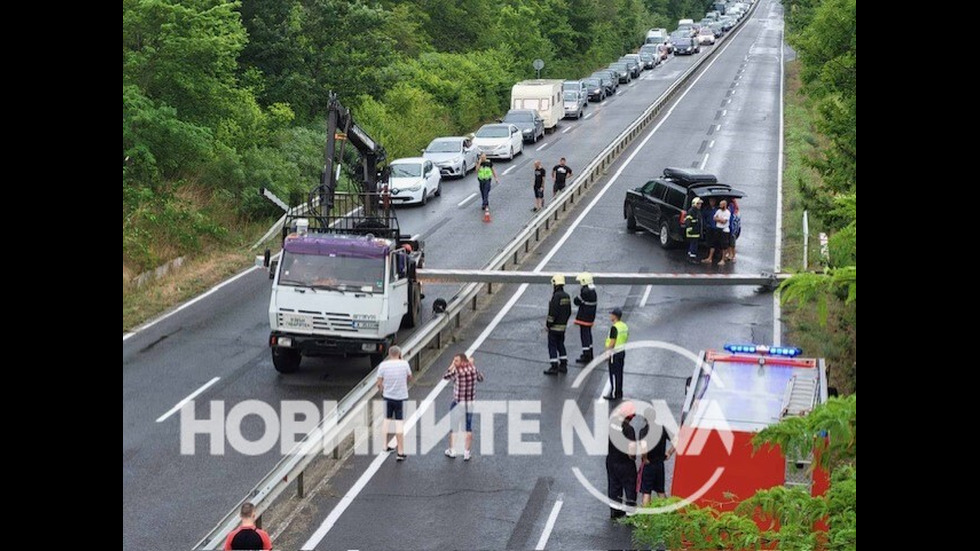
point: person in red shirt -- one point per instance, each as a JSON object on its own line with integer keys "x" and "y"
{"x": 464, "y": 375}
{"x": 247, "y": 536}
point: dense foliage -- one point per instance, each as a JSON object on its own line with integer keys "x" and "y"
{"x": 221, "y": 98}
{"x": 824, "y": 34}
{"x": 779, "y": 517}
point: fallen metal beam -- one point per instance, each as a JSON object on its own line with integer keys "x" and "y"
{"x": 429, "y": 275}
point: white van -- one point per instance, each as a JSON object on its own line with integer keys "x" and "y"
{"x": 542, "y": 95}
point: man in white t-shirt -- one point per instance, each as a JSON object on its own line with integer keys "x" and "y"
{"x": 394, "y": 374}
{"x": 722, "y": 233}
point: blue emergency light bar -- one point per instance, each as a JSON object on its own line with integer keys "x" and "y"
{"x": 789, "y": 352}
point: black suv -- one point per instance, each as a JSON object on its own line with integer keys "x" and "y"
{"x": 660, "y": 205}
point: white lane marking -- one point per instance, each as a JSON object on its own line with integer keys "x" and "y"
{"x": 717, "y": 127}
{"x": 567, "y": 130}
{"x": 185, "y": 401}
{"x": 646, "y": 295}
{"x": 550, "y": 525}
{"x": 777, "y": 324}
{"x": 375, "y": 465}
{"x": 589, "y": 115}
{"x": 712, "y": 144}
{"x": 543, "y": 146}
{"x": 620, "y": 92}
{"x": 724, "y": 112}
{"x": 506, "y": 172}
{"x": 705, "y": 160}
{"x": 190, "y": 302}
{"x": 469, "y": 198}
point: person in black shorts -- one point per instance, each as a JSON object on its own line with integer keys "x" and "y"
{"x": 654, "y": 450}
{"x": 539, "y": 174}
{"x": 559, "y": 175}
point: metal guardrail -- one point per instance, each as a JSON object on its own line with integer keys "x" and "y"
{"x": 327, "y": 435}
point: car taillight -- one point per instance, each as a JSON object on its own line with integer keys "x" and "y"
{"x": 683, "y": 216}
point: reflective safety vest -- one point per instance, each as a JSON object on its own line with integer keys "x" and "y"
{"x": 484, "y": 172}
{"x": 622, "y": 335}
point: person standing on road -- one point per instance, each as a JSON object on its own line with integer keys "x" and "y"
{"x": 539, "y": 173}
{"x": 394, "y": 374}
{"x": 692, "y": 228}
{"x": 559, "y": 310}
{"x": 559, "y": 175}
{"x": 721, "y": 234}
{"x": 621, "y": 459}
{"x": 735, "y": 224}
{"x": 654, "y": 450}
{"x": 464, "y": 375}
{"x": 618, "y": 335}
{"x": 247, "y": 535}
{"x": 585, "y": 316}
{"x": 484, "y": 173}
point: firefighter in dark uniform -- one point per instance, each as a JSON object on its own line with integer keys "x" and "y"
{"x": 621, "y": 459}
{"x": 692, "y": 228}
{"x": 618, "y": 335}
{"x": 559, "y": 310}
{"x": 585, "y": 316}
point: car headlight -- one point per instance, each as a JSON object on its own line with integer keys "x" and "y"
{"x": 416, "y": 187}
{"x": 501, "y": 147}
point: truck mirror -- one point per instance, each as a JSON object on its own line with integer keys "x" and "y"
{"x": 272, "y": 268}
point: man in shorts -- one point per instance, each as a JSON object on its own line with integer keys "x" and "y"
{"x": 559, "y": 175}
{"x": 539, "y": 174}
{"x": 394, "y": 374}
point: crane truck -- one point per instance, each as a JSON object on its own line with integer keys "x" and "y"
{"x": 346, "y": 279}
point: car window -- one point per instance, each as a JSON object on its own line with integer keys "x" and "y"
{"x": 493, "y": 132}
{"x": 675, "y": 197}
{"x": 658, "y": 190}
{"x": 443, "y": 146}
{"x": 406, "y": 170}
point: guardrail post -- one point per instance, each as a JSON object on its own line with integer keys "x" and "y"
{"x": 258, "y": 522}
{"x": 515, "y": 258}
{"x": 490, "y": 288}
{"x": 299, "y": 485}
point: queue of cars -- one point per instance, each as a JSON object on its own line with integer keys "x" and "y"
{"x": 537, "y": 105}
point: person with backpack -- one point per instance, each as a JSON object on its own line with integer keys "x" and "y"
{"x": 247, "y": 536}
{"x": 735, "y": 225}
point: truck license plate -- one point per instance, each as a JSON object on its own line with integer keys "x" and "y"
{"x": 292, "y": 321}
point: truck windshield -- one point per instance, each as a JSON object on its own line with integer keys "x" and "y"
{"x": 342, "y": 273}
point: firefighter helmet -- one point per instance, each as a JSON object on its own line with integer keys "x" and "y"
{"x": 557, "y": 279}
{"x": 584, "y": 278}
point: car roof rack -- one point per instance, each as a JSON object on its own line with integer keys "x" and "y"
{"x": 688, "y": 176}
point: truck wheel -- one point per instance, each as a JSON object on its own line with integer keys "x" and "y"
{"x": 286, "y": 360}
{"x": 665, "y": 240}
{"x": 630, "y": 219}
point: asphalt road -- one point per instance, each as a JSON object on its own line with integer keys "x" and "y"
{"x": 216, "y": 346}
{"x": 502, "y": 500}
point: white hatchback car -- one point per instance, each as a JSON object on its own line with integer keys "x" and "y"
{"x": 499, "y": 141}
{"x": 706, "y": 36}
{"x": 413, "y": 180}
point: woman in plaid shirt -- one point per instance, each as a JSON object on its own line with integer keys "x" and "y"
{"x": 464, "y": 375}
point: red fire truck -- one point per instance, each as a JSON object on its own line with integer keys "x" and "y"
{"x": 734, "y": 394}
